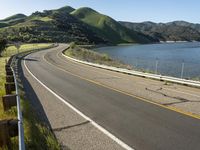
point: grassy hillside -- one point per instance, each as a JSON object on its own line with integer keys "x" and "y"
{"x": 109, "y": 28}
{"x": 14, "y": 17}
{"x": 65, "y": 9}
{"x": 51, "y": 26}
{"x": 84, "y": 26}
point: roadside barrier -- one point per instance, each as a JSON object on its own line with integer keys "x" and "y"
{"x": 140, "y": 74}
{"x": 11, "y": 127}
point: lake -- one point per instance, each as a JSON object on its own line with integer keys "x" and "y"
{"x": 173, "y": 59}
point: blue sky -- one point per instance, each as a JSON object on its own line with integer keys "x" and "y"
{"x": 123, "y": 10}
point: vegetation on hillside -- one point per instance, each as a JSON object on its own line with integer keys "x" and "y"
{"x": 80, "y": 53}
{"x": 3, "y": 44}
{"x": 14, "y": 17}
{"x": 84, "y": 26}
{"x": 51, "y": 26}
{"x": 172, "y": 31}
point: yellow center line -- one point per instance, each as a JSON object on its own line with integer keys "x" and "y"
{"x": 196, "y": 116}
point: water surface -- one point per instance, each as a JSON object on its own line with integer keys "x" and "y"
{"x": 171, "y": 58}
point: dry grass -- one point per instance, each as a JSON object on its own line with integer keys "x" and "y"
{"x": 94, "y": 57}
{"x": 25, "y": 47}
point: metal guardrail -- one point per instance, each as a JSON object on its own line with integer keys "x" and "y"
{"x": 13, "y": 127}
{"x": 19, "y": 113}
{"x": 141, "y": 74}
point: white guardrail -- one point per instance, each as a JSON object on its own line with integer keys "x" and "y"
{"x": 141, "y": 74}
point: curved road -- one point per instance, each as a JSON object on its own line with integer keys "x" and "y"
{"x": 141, "y": 125}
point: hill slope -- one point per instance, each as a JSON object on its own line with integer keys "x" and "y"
{"x": 51, "y": 26}
{"x": 84, "y": 26}
{"x": 172, "y": 31}
{"x": 109, "y": 28}
{"x": 13, "y": 18}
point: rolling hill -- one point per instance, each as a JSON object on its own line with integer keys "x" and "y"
{"x": 108, "y": 28}
{"x": 14, "y": 18}
{"x": 172, "y": 31}
{"x": 84, "y": 26}
{"x": 49, "y": 26}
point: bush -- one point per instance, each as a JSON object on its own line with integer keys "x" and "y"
{"x": 3, "y": 44}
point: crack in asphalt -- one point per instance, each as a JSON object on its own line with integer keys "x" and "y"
{"x": 182, "y": 100}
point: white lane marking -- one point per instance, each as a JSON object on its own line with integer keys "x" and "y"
{"x": 118, "y": 141}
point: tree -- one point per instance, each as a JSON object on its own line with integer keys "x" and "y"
{"x": 3, "y": 44}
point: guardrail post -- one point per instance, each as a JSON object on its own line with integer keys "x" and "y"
{"x": 4, "y": 136}
{"x": 9, "y": 101}
{"x": 7, "y": 66}
{"x": 10, "y": 78}
{"x": 13, "y": 128}
{"x": 9, "y": 72}
{"x": 8, "y": 128}
{"x": 9, "y": 87}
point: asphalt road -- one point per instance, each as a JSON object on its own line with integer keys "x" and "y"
{"x": 141, "y": 125}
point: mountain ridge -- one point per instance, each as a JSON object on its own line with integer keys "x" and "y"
{"x": 171, "y": 31}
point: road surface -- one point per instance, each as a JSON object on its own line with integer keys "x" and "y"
{"x": 139, "y": 124}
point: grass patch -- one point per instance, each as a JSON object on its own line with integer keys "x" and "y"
{"x": 12, "y": 113}
{"x": 11, "y": 50}
{"x": 37, "y": 134}
{"x": 94, "y": 57}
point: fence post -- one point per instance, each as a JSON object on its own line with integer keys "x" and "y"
{"x": 10, "y": 78}
{"x": 9, "y": 87}
{"x": 8, "y": 128}
{"x": 182, "y": 69}
{"x": 4, "y": 134}
{"x": 156, "y": 70}
{"x": 9, "y": 101}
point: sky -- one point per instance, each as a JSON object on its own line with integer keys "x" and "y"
{"x": 121, "y": 10}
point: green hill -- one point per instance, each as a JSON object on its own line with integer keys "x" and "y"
{"x": 109, "y": 28}
{"x": 14, "y": 18}
{"x": 65, "y": 9}
{"x": 51, "y": 26}
{"x": 83, "y": 26}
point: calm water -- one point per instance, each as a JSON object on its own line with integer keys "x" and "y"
{"x": 169, "y": 57}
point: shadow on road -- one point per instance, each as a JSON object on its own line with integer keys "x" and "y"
{"x": 30, "y": 94}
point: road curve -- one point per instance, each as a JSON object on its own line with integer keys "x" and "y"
{"x": 141, "y": 125}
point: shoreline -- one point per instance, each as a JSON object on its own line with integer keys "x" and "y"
{"x": 132, "y": 44}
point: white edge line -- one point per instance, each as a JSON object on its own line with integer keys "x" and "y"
{"x": 118, "y": 141}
